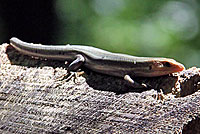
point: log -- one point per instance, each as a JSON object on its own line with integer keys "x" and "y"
{"x": 36, "y": 97}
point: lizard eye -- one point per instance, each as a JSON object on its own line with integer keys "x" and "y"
{"x": 150, "y": 67}
{"x": 167, "y": 64}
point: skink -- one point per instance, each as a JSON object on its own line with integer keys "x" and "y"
{"x": 98, "y": 60}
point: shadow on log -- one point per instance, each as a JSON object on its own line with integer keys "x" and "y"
{"x": 36, "y": 99}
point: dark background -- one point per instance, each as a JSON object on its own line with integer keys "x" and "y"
{"x": 31, "y": 20}
{"x": 143, "y": 28}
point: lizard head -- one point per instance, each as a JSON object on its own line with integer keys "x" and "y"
{"x": 158, "y": 66}
{"x": 164, "y": 66}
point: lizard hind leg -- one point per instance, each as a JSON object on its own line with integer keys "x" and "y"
{"x": 74, "y": 66}
{"x": 76, "y": 63}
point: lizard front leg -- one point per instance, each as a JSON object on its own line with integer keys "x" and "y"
{"x": 134, "y": 83}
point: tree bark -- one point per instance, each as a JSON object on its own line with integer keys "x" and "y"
{"x": 36, "y": 98}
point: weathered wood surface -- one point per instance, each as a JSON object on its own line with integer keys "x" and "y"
{"x": 35, "y": 99}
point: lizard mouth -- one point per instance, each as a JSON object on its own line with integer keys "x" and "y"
{"x": 164, "y": 68}
{"x": 174, "y": 67}
{"x": 179, "y": 67}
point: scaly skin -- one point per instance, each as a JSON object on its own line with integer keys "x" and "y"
{"x": 101, "y": 61}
